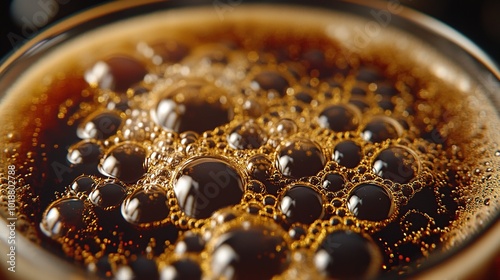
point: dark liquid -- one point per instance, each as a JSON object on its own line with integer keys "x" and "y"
{"x": 266, "y": 148}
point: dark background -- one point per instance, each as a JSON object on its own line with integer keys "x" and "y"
{"x": 478, "y": 20}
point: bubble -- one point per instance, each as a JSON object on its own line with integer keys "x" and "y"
{"x": 182, "y": 269}
{"x": 100, "y": 125}
{"x": 62, "y": 217}
{"x": 369, "y": 74}
{"x": 211, "y": 54}
{"x": 386, "y": 90}
{"x": 303, "y": 97}
{"x": 196, "y": 106}
{"x": 333, "y": 182}
{"x": 248, "y": 135}
{"x": 191, "y": 243}
{"x": 359, "y": 91}
{"x": 300, "y": 158}
{"x": 270, "y": 80}
{"x": 259, "y": 167}
{"x": 345, "y": 254}
{"x": 136, "y": 91}
{"x": 386, "y": 104}
{"x": 188, "y": 137}
{"x": 82, "y": 184}
{"x": 360, "y": 104}
{"x": 301, "y": 203}
{"x": 125, "y": 161}
{"x": 317, "y": 65}
{"x": 102, "y": 268}
{"x": 117, "y": 72}
{"x": 169, "y": 51}
{"x": 84, "y": 152}
{"x": 414, "y": 221}
{"x": 370, "y": 202}
{"x": 380, "y": 129}
{"x": 141, "y": 268}
{"x": 252, "y": 108}
{"x": 223, "y": 216}
{"x": 347, "y": 153}
{"x": 339, "y": 118}
{"x": 284, "y": 128}
{"x": 253, "y": 252}
{"x": 297, "y": 232}
{"x": 145, "y": 206}
{"x": 206, "y": 184}
{"x": 107, "y": 195}
{"x": 398, "y": 164}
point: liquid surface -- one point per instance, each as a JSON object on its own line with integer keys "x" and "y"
{"x": 249, "y": 148}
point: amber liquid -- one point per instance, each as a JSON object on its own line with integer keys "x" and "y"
{"x": 255, "y": 147}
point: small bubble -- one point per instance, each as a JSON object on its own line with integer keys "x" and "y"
{"x": 138, "y": 90}
{"x": 487, "y": 202}
{"x": 300, "y": 158}
{"x": 182, "y": 269}
{"x": 348, "y": 255}
{"x": 347, "y": 153}
{"x": 117, "y": 72}
{"x": 126, "y": 161}
{"x": 339, "y": 118}
{"x": 102, "y": 268}
{"x": 143, "y": 268}
{"x": 303, "y": 97}
{"x": 82, "y": 184}
{"x": 370, "y": 202}
{"x": 360, "y": 104}
{"x": 270, "y": 80}
{"x": 206, "y": 184}
{"x": 259, "y": 167}
{"x": 107, "y": 195}
{"x": 248, "y": 135}
{"x": 284, "y": 128}
{"x": 414, "y": 221}
{"x": 211, "y": 54}
{"x": 333, "y": 182}
{"x": 84, "y": 152}
{"x": 145, "y": 206}
{"x": 198, "y": 106}
{"x": 169, "y": 51}
{"x": 301, "y": 203}
{"x": 380, "y": 129}
{"x": 100, "y": 125}
{"x": 397, "y": 164}
{"x": 386, "y": 90}
{"x": 386, "y": 104}
{"x": 188, "y": 137}
{"x": 63, "y": 216}
{"x": 369, "y": 74}
{"x": 252, "y": 108}
{"x": 297, "y": 232}
{"x": 191, "y": 242}
{"x": 254, "y": 252}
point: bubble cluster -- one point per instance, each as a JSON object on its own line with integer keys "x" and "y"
{"x": 225, "y": 158}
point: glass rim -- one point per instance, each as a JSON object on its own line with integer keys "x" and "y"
{"x": 452, "y": 260}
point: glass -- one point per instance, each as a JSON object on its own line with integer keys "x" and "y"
{"x": 465, "y": 259}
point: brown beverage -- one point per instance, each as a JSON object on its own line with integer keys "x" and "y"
{"x": 182, "y": 145}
